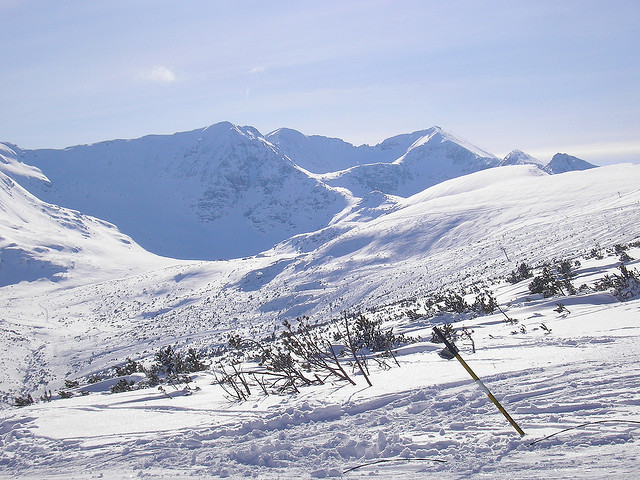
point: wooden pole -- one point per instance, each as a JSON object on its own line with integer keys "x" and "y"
{"x": 453, "y": 349}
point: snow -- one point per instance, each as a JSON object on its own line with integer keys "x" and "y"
{"x": 218, "y": 192}
{"x": 518, "y": 157}
{"x": 561, "y": 163}
{"x": 434, "y": 157}
{"x": 227, "y": 191}
{"x": 584, "y": 371}
{"x": 79, "y": 296}
{"x": 320, "y": 154}
{"x": 11, "y": 166}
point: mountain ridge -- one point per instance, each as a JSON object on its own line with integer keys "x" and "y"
{"x": 226, "y": 191}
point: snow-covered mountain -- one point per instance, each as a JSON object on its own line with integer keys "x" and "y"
{"x": 320, "y": 154}
{"x": 435, "y": 156}
{"x": 222, "y": 191}
{"x": 227, "y": 191}
{"x": 46, "y": 250}
{"x": 518, "y": 157}
{"x": 562, "y": 162}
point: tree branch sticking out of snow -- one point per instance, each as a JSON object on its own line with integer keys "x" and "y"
{"x": 307, "y": 354}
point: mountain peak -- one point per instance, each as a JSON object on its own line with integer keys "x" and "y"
{"x": 518, "y": 157}
{"x": 435, "y": 135}
{"x": 562, "y": 162}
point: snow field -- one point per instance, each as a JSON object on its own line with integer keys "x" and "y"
{"x": 585, "y": 370}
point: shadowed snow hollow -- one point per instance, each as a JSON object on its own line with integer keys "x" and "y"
{"x": 43, "y": 241}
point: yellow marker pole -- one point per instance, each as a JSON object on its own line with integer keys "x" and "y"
{"x": 452, "y": 348}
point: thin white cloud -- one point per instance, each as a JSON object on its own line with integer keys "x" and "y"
{"x": 258, "y": 69}
{"x": 158, "y": 74}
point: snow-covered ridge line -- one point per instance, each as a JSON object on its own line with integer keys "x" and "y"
{"x": 227, "y": 191}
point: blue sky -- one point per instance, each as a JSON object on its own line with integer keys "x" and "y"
{"x": 542, "y": 76}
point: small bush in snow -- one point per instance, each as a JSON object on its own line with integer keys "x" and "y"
{"x": 554, "y": 280}
{"x": 521, "y": 273}
{"x": 546, "y": 329}
{"x": 621, "y": 251}
{"x": 307, "y": 354}
{"x": 625, "y": 285}
{"x": 152, "y": 379}
{"x": 71, "y": 384}
{"x": 452, "y": 302}
{"x": 23, "y": 401}
{"x": 467, "y": 334}
{"x": 596, "y": 253}
{"x": 172, "y": 362}
{"x": 130, "y": 367}
{"x": 485, "y": 303}
{"x": 369, "y": 334}
{"x": 169, "y": 361}
{"x": 122, "y": 386}
{"x": 193, "y": 362}
{"x": 545, "y": 284}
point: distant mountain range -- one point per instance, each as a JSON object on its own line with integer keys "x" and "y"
{"x": 226, "y": 191}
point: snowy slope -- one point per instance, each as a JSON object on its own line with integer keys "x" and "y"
{"x": 227, "y": 192}
{"x": 48, "y": 242}
{"x": 456, "y": 233}
{"x": 47, "y": 251}
{"x": 11, "y": 165}
{"x": 222, "y": 191}
{"x": 462, "y": 228}
{"x": 428, "y": 411}
{"x": 434, "y": 157}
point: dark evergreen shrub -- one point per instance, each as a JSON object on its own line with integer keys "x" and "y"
{"x": 23, "y": 401}
{"x": 129, "y": 368}
{"x": 169, "y": 361}
{"x": 625, "y": 285}
{"x": 122, "y": 386}
{"x": 453, "y": 302}
{"x": 554, "y": 280}
{"x": 522, "y": 272}
{"x": 485, "y": 303}
{"x": 71, "y": 384}
{"x": 193, "y": 362}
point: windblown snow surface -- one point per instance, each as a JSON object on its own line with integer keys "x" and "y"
{"x": 383, "y": 256}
